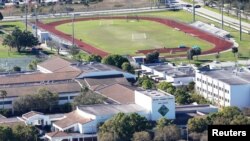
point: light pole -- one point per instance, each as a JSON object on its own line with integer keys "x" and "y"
{"x": 36, "y": 16}
{"x": 73, "y": 29}
{"x": 222, "y": 15}
{"x": 240, "y": 21}
{"x": 193, "y": 11}
{"x": 26, "y": 15}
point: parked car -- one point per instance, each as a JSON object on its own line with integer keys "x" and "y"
{"x": 197, "y": 6}
{"x": 188, "y": 5}
{"x": 181, "y": 46}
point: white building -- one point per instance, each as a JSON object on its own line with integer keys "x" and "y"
{"x": 177, "y": 75}
{"x": 225, "y": 87}
{"x": 151, "y": 104}
{"x": 157, "y": 103}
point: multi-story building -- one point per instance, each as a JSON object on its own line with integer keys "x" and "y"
{"x": 83, "y": 122}
{"x": 224, "y": 87}
{"x": 177, "y": 75}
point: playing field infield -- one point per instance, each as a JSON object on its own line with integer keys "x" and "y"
{"x": 127, "y": 37}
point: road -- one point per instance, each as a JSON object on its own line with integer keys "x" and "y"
{"x": 91, "y": 13}
{"x": 226, "y": 18}
{"x": 211, "y": 15}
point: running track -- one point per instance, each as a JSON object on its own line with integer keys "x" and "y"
{"x": 220, "y": 44}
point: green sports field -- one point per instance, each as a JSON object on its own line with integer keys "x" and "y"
{"x": 122, "y": 37}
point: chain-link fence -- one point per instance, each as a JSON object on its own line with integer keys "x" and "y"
{"x": 79, "y": 6}
{"x": 9, "y": 63}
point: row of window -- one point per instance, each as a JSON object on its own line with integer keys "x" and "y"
{"x": 5, "y": 102}
{"x": 219, "y": 97}
{"x": 213, "y": 85}
{"x": 212, "y": 94}
{"x": 66, "y": 98}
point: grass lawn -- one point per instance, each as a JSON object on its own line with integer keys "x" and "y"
{"x": 4, "y": 52}
{"x": 117, "y": 37}
{"x": 244, "y": 45}
{"x": 9, "y": 26}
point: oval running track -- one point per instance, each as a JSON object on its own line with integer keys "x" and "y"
{"x": 220, "y": 44}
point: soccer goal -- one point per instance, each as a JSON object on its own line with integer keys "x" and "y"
{"x": 106, "y": 22}
{"x": 139, "y": 36}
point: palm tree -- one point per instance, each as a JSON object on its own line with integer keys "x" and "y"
{"x": 3, "y": 94}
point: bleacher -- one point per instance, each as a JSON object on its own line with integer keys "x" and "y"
{"x": 212, "y": 29}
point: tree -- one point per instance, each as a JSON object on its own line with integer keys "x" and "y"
{"x": 27, "y": 39}
{"x": 1, "y": 16}
{"x": 74, "y": 50}
{"x": 234, "y": 50}
{"x": 168, "y": 133}
{"x": 152, "y": 57}
{"x": 20, "y": 39}
{"x": 88, "y": 97}
{"x": 141, "y": 136}
{"x": 18, "y": 133}
{"x": 124, "y": 126}
{"x": 126, "y": 66}
{"x": 193, "y": 52}
{"x": 24, "y": 132}
{"x": 6, "y": 134}
{"x": 162, "y": 122}
{"x": 197, "y": 124}
{"x": 204, "y": 136}
{"x": 198, "y": 98}
{"x": 191, "y": 86}
{"x": 107, "y": 136}
{"x": 43, "y": 101}
{"x": 16, "y": 69}
{"x": 197, "y": 52}
{"x": 114, "y": 60}
{"x": 94, "y": 58}
{"x": 147, "y": 84}
{"x": 195, "y": 136}
{"x": 166, "y": 86}
{"x": 33, "y": 65}
{"x": 182, "y": 97}
{"x": 55, "y": 45}
{"x": 3, "y": 94}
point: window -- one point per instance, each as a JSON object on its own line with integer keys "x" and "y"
{"x": 75, "y": 139}
{"x": 5, "y": 102}
{"x": 63, "y": 98}
{"x": 72, "y": 97}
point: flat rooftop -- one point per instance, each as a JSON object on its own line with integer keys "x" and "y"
{"x": 95, "y": 67}
{"x": 195, "y": 108}
{"x": 111, "y": 109}
{"x": 156, "y": 94}
{"x": 170, "y": 69}
{"x": 230, "y": 77}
